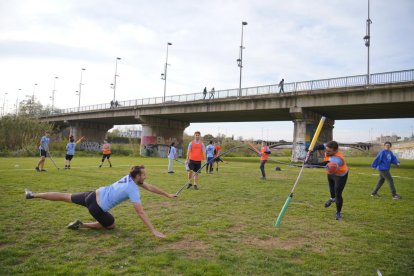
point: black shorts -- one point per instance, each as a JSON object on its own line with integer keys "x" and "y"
{"x": 194, "y": 166}
{"x": 88, "y": 199}
{"x": 68, "y": 157}
{"x": 43, "y": 153}
{"x": 107, "y": 156}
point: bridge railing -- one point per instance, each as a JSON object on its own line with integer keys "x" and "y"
{"x": 341, "y": 82}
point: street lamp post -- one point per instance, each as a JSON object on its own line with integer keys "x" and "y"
{"x": 367, "y": 39}
{"x": 53, "y": 93}
{"x": 17, "y": 101}
{"x": 240, "y": 59}
{"x": 33, "y": 95}
{"x": 116, "y": 75}
{"x": 4, "y": 105}
{"x": 80, "y": 88}
{"x": 164, "y": 75}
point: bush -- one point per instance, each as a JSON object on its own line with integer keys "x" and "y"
{"x": 21, "y": 134}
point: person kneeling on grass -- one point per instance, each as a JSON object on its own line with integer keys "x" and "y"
{"x": 100, "y": 201}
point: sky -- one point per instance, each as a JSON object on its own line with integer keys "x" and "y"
{"x": 297, "y": 40}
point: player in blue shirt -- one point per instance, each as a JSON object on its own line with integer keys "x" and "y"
{"x": 43, "y": 149}
{"x": 70, "y": 150}
{"x": 210, "y": 157}
{"x": 172, "y": 155}
{"x": 383, "y": 163}
{"x": 100, "y": 201}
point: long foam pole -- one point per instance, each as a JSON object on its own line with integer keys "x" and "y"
{"x": 289, "y": 198}
{"x": 316, "y": 136}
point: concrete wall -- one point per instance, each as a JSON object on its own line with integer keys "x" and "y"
{"x": 404, "y": 150}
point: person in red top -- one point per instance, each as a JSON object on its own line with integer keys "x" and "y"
{"x": 217, "y": 153}
{"x": 337, "y": 171}
{"x": 265, "y": 151}
{"x": 195, "y": 154}
{"x": 106, "y": 153}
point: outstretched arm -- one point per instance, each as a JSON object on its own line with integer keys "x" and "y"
{"x": 80, "y": 139}
{"x": 156, "y": 190}
{"x": 143, "y": 216}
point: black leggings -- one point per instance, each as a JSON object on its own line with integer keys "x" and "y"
{"x": 336, "y": 186}
{"x": 262, "y": 167}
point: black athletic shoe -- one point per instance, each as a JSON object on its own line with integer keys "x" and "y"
{"x": 74, "y": 225}
{"x": 338, "y": 216}
{"x": 43, "y": 170}
{"x": 37, "y": 169}
{"x": 28, "y": 193}
{"x": 189, "y": 185}
{"x": 375, "y": 195}
{"x": 329, "y": 202}
{"x": 195, "y": 187}
{"x": 396, "y": 196}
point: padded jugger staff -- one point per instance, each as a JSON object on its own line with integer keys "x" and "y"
{"x": 289, "y": 198}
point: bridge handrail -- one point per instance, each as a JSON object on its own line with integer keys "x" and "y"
{"x": 339, "y": 82}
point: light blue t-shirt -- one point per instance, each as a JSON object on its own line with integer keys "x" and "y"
{"x": 110, "y": 196}
{"x": 70, "y": 148}
{"x": 210, "y": 151}
{"x": 44, "y": 143}
{"x": 173, "y": 153}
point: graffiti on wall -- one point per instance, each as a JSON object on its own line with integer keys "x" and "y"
{"x": 90, "y": 146}
{"x": 299, "y": 151}
{"x": 404, "y": 153}
{"x": 158, "y": 146}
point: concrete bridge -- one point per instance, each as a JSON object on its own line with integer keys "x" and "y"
{"x": 388, "y": 95}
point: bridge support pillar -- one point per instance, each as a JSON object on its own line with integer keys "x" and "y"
{"x": 305, "y": 124}
{"x": 157, "y": 135}
{"x": 94, "y": 132}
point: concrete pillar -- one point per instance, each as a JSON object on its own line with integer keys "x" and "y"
{"x": 157, "y": 135}
{"x": 305, "y": 124}
{"x": 94, "y": 133}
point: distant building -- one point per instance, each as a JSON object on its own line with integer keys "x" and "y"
{"x": 393, "y": 138}
{"x": 409, "y": 138}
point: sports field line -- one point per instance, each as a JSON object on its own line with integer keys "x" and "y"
{"x": 394, "y": 176}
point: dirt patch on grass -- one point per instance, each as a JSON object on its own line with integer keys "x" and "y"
{"x": 188, "y": 244}
{"x": 274, "y": 242}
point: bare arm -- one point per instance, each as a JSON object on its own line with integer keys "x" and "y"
{"x": 143, "y": 216}
{"x": 156, "y": 190}
{"x": 80, "y": 140}
{"x": 188, "y": 155}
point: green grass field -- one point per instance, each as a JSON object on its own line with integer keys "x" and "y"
{"x": 225, "y": 228}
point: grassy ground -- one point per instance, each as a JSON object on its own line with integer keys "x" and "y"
{"x": 225, "y": 228}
